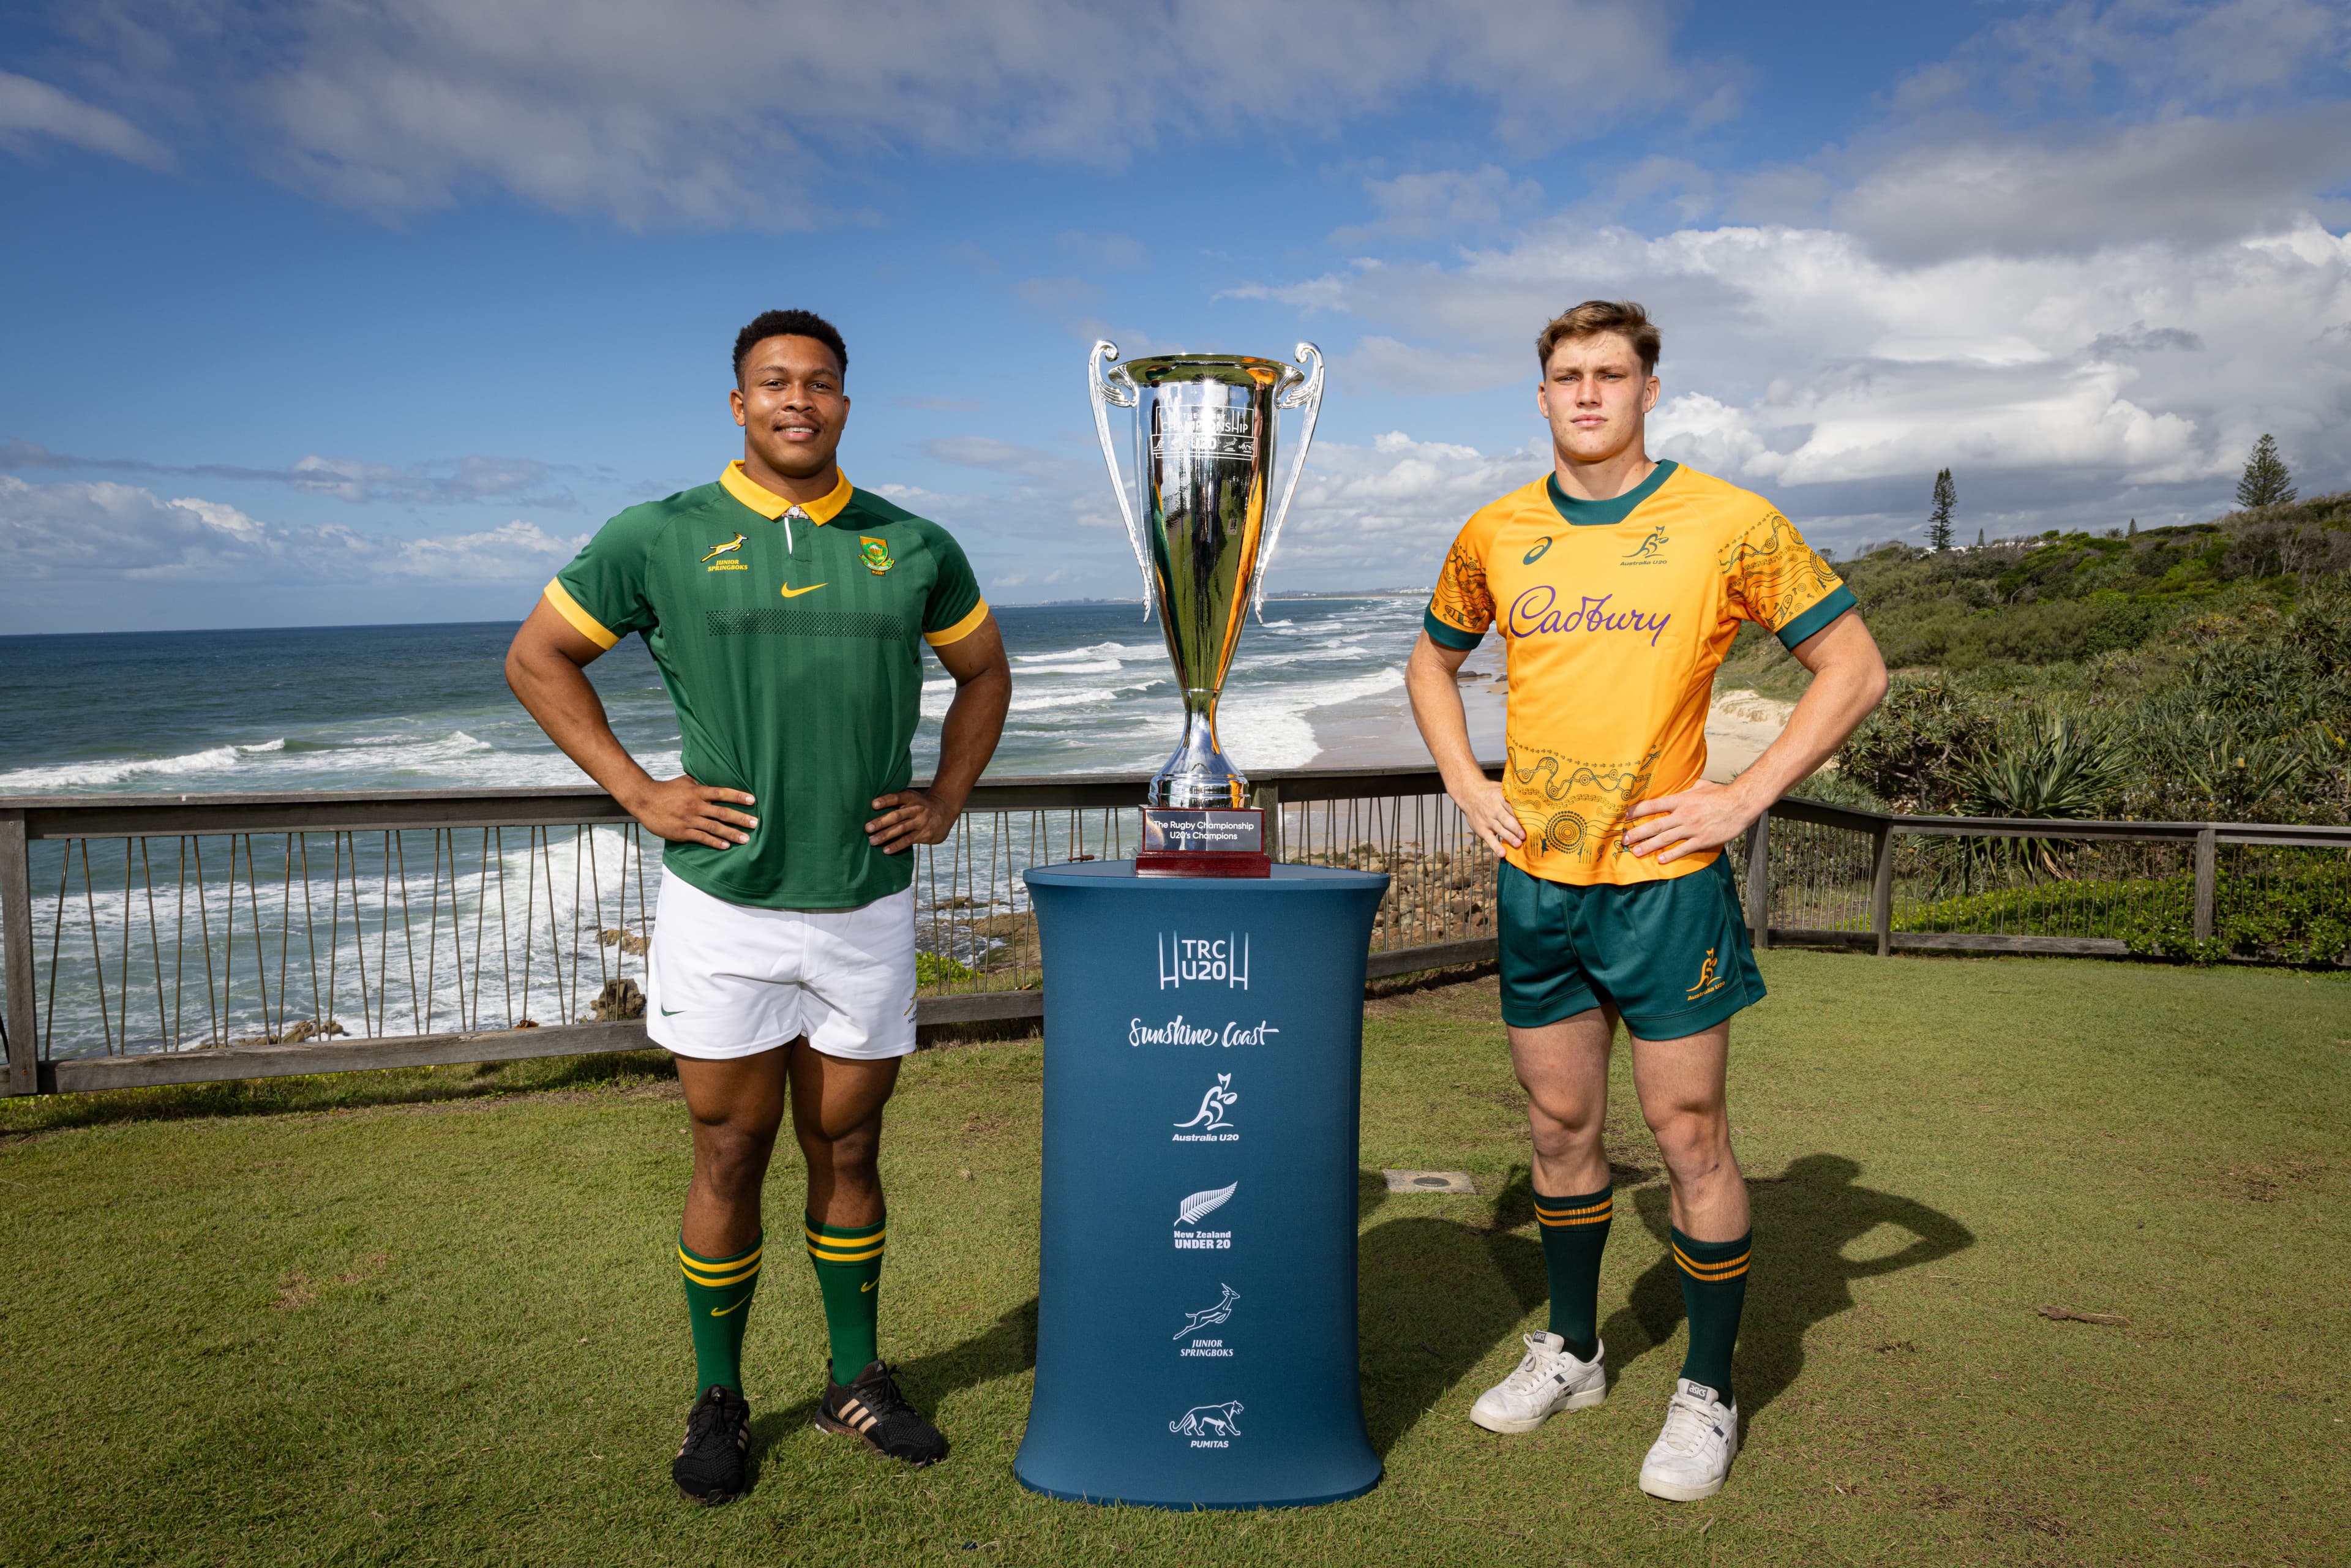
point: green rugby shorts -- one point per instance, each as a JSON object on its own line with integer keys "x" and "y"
{"x": 1673, "y": 957}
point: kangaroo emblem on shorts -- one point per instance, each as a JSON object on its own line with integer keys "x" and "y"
{"x": 1213, "y": 1104}
{"x": 1194, "y": 1323}
{"x": 1707, "y": 978}
{"x": 1208, "y": 1421}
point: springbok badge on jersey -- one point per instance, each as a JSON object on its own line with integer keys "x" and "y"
{"x": 877, "y": 554}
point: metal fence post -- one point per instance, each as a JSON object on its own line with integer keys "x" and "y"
{"x": 1759, "y": 880}
{"x": 1267, "y": 798}
{"x": 2208, "y": 839}
{"x": 1881, "y": 895}
{"x": 16, "y": 940}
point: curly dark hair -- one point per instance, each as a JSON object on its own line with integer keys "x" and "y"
{"x": 789, "y": 323}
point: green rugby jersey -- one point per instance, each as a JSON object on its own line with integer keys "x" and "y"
{"x": 790, "y": 638}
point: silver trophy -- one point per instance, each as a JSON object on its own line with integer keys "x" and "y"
{"x": 1203, "y": 533}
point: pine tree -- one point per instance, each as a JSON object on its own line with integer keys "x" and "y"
{"x": 1979, "y": 539}
{"x": 1939, "y": 521}
{"x": 2133, "y": 533}
{"x": 2265, "y": 481}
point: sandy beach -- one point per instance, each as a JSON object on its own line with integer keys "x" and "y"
{"x": 1378, "y": 732}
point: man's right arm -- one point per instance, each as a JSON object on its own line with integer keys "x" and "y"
{"x": 546, "y": 670}
{"x": 1429, "y": 679}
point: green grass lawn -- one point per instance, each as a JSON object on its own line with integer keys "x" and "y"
{"x": 432, "y": 1316}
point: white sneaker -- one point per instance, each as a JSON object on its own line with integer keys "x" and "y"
{"x": 1692, "y": 1456}
{"x": 1547, "y": 1381}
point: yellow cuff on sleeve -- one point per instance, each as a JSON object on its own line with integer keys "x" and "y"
{"x": 586, "y": 625}
{"x": 956, "y": 632}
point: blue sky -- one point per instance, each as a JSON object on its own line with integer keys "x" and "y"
{"x": 355, "y": 312}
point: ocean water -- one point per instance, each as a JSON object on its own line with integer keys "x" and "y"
{"x": 418, "y": 707}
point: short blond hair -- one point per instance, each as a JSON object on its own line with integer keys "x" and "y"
{"x": 1594, "y": 316}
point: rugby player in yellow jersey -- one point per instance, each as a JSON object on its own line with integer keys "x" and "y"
{"x": 1618, "y": 584}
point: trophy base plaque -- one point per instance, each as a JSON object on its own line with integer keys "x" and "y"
{"x": 1216, "y": 841}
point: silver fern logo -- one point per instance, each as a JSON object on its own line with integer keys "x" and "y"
{"x": 1205, "y": 1203}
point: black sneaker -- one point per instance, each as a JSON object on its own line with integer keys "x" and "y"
{"x": 710, "y": 1462}
{"x": 869, "y": 1406}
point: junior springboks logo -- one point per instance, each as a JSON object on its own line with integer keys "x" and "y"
{"x": 1223, "y": 1310}
{"x": 1213, "y": 1105}
{"x": 729, "y": 548}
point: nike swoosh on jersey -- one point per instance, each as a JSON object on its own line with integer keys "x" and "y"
{"x": 670, "y": 1012}
{"x": 796, "y": 592}
{"x": 865, "y": 1287}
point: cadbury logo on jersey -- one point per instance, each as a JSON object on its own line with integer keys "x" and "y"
{"x": 1538, "y": 612}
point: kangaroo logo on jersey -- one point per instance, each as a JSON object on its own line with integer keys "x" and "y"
{"x": 1646, "y": 554}
{"x": 728, "y": 549}
{"x": 877, "y": 554}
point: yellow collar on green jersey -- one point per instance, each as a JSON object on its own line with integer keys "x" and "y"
{"x": 771, "y": 505}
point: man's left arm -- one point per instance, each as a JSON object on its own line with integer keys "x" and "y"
{"x": 1848, "y": 679}
{"x": 968, "y": 738}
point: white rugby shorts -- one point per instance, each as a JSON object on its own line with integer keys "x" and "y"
{"x": 729, "y": 979}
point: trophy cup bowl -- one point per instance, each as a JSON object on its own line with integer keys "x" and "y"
{"x": 1204, "y": 523}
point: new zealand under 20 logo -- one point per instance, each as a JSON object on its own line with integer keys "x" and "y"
{"x": 877, "y": 554}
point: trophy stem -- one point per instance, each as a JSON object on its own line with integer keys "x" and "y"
{"x": 1197, "y": 776}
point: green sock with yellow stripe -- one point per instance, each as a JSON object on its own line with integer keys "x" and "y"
{"x": 1574, "y": 1232}
{"x": 718, "y": 1293}
{"x": 1714, "y": 1290}
{"x": 847, "y": 1260}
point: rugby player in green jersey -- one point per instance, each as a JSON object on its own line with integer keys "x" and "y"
{"x": 786, "y": 610}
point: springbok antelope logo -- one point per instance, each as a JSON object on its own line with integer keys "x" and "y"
{"x": 1213, "y": 1105}
{"x": 729, "y": 548}
{"x": 1194, "y": 1323}
{"x": 1208, "y": 1421}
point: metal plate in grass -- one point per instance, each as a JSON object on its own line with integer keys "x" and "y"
{"x": 1431, "y": 1181}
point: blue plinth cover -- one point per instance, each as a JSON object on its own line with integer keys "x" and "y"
{"x": 1195, "y": 1317}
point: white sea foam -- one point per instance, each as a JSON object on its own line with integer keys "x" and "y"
{"x": 116, "y": 771}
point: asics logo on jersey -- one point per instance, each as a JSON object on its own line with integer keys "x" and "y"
{"x": 1537, "y": 611}
{"x": 1535, "y": 554}
{"x": 796, "y": 592}
{"x": 729, "y": 548}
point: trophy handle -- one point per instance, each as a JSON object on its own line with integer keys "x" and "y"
{"x": 1105, "y": 393}
{"x": 1304, "y": 392}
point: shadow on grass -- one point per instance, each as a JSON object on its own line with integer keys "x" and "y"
{"x": 1804, "y": 1220}
{"x": 1005, "y": 1349}
{"x": 310, "y": 1092}
{"x": 1437, "y": 1295}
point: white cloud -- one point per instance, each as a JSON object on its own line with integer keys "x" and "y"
{"x": 715, "y": 112}
{"x": 1448, "y": 203}
{"x": 95, "y": 532}
{"x": 29, "y": 108}
{"x": 2194, "y": 182}
{"x": 444, "y": 482}
{"x": 1800, "y": 357}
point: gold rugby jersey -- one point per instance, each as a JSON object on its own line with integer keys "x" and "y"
{"x": 1614, "y": 616}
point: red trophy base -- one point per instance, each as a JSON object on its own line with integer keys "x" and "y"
{"x": 1221, "y": 842}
